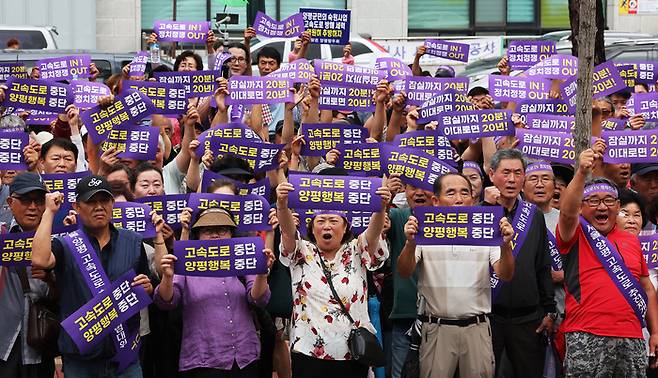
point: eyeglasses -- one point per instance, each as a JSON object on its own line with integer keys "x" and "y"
{"x": 238, "y": 59}
{"x": 27, "y": 201}
{"x": 595, "y": 201}
{"x": 534, "y": 180}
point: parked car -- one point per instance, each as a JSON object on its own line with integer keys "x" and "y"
{"x": 29, "y": 37}
{"x": 608, "y": 35}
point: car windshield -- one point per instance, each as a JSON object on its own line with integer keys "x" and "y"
{"x": 28, "y": 39}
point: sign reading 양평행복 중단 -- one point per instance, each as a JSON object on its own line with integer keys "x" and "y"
{"x": 446, "y": 101}
{"x": 432, "y": 142}
{"x": 363, "y": 159}
{"x": 550, "y": 122}
{"x": 220, "y": 258}
{"x": 138, "y": 64}
{"x": 649, "y": 245}
{"x": 329, "y": 26}
{"x": 632, "y": 146}
{"x": 11, "y": 150}
{"x": 320, "y": 138}
{"x": 86, "y": 93}
{"x": 554, "y": 67}
{"x": 16, "y": 249}
{"x": 447, "y": 50}
{"x": 248, "y": 90}
{"x": 249, "y": 211}
{"x": 290, "y": 27}
{"x": 196, "y": 83}
{"x": 506, "y": 88}
{"x": 130, "y": 107}
{"x": 422, "y": 89}
{"x": 181, "y": 31}
{"x": 96, "y": 319}
{"x": 414, "y": 166}
{"x": 605, "y": 81}
{"x": 15, "y": 69}
{"x": 334, "y": 192}
{"x": 65, "y": 67}
{"x": 135, "y": 217}
{"x": 552, "y": 146}
{"x": 525, "y": 54}
{"x": 298, "y": 71}
{"x": 32, "y": 94}
{"x": 167, "y": 98}
{"x": 358, "y": 220}
{"x": 133, "y": 141}
{"x": 459, "y": 225}
{"x": 476, "y": 124}
{"x": 260, "y": 187}
{"x": 169, "y": 207}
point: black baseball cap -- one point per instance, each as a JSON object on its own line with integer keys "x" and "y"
{"x": 643, "y": 168}
{"x": 26, "y": 182}
{"x": 90, "y": 186}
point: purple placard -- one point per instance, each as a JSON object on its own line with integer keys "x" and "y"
{"x": 447, "y": 101}
{"x": 180, "y": 31}
{"x": 645, "y": 104}
{"x": 477, "y": 124}
{"x": 329, "y": 26}
{"x": 525, "y": 54}
{"x": 167, "y": 98}
{"x": 334, "y": 192}
{"x": 613, "y": 124}
{"x": 414, "y": 166}
{"x": 395, "y": 68}
{"x": 133, "y": 142}
{"x": 247, "y": 90}
{"x": 347, "y": 75}
{"x": 649, "y": 245}
{"x": 339, "y": 97}
{"x": 361, "y": 159}
{"x": 448, "y": 50}
{"x": 421, "y": 89}
{"x": 547, "y": 145}
{"x": 359, "y": 220}
{"x": 260, "y": 156}
{"x": 632, "y": 146}
{"x": 94, "y": 321}
{"x": 11, "y": 150}
{"x": 65, "y": 67}
{"x": 13, "y": 69}
{"x": 550, "y": 122}
{"x": 138, "y": 64}
{"x": 135, "y": 217}
{"x": 128, "y": 108}
{"x": 16, "y": 249}
{"x": 298, "y": 71}
{"x": 642, "y": 72}
{"x": 550, "y": 106}
{"x": 168, "y": 206}
{"x": 40, "y": 117}
{"x": 196, "y": 83}
{"x": 225, "y": 132}
{"x": 606, "y": 80}
{"x": 64, "y": 183}
{"x": 432, "y": 142}
{"x": 260, "y": 187}
{"x": 555, "y": 67}
{"x": 628, "y": 72}
{"x": 320, "y": 138}
{"x": 506, "y": 88}
{"x": 37, "y": 95}
{"x": 220, "y": 258}
{"x": 249, "y": 211}
{"x": 459, "y": 225}
{"x": 86, "y": 93}
{"x": 220, "y": 59}
{"x": 292, "y": 26}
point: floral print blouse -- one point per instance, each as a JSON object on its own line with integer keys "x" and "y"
{"x": 319, "y": 327}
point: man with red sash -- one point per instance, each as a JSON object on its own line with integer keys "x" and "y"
{"x": 608, "y": 291}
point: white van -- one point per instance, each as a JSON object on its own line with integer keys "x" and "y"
{"x": 29, "y": 37}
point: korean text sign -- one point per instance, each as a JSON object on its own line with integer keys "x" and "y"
{"x": 636, "y": 146}
{"x": 258, "y": 90}
{"x": 459, "y": 225}
{"x": 38, "y": 95}
{"x": 167, "y": 98}
{"x": 65, "y": 67}
{"x": 553, "y": 146}
{"x": 11, "y": 150}
{"x": 196, "y": 83}
{"x": 87, "y": 93}
{"x": 169, "y": 207}
{"x": 334, "y": 192}
{"x": 525, "y": 54}
{"x": 421, "y": 89}
{"x": 414, "y": 166}
{"x": 320, "y": 138}
{"x": 330, "y": 26}
{"x": 16, "y": 249}
{"x": 271, "y": 28}
{"x": 180, "y": 31}
{"x": 448, "y": 50}
{"x": 220, "y": 258}
{"x": 477, "y": 124}
{"x": 15, "y": 69}
{"x": 135, "y": 217}
{"x": 250, "y": 211}
{"x": 361, "y": 159}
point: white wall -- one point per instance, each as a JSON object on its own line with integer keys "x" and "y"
{"x": 381, "y": 19}
{"x": 118, "y": 25}
{"x": 636, "y": 23}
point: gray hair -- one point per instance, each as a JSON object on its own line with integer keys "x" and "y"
{"x": 505, "y": 154}
{"x": 606, "y": 99}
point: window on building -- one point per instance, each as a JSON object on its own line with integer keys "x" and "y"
{"x": 521, "y": 11}
{"x": 490, "y": 12}
{"x": 439, "y": 14}
{"x": 555, "y": 14}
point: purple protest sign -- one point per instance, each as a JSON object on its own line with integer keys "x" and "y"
{"x": 476, "y": 124}
{"x": 94, "y": 321}
{"x": 628, "y": 72}
{"x": 632, "y": 146}
{"x": 64, "y": 183}
{"x": 447, "y": 101}
{"x": 459, "y": 225}
{"x": 247, "y": 90}
{"x": 13, "y": 69}
{"x": 448, "y": 50}
{"x": 168, "y": 206}
{"x": 138, "y": 64}
{"x": 249, "y": 211}
{"x": 220, "y": 59}
{"x": 260, "y": 187}
{"x": 506, "y": 88}
{"x": 606, "y": 80}
{"x": 613, "y": 124}
{"x": 35, "y": 94}
{"x": 432, "y": 142}
{"x": 550, "y": 122}
{"x": 233, "y": 130}
{"x": 550, "y": 106}
{"x": 642, "y": 72}
{"x": 65, "y": 67}
{"x": 196, "y": 83}
{"x": 11, "y": 150}
{"x": 649, "y": 245}
{"x": 180, "y": 31}
{"x": 320, "y": 138}
{"x": 421, "y": 89}
{"x": 135, "y": 217}
{"x": 525, "y": 54}
{"x": 39, "y": 117}
{"x": 395, "y": 68}
{"x": 128, "y": 108}
{"x": 298, "y": 71}
{"x": 547, "y": 145}
{"x": 348, "y": 75}
{"x": 645, "y": 104}
{"x": 338, "y": 97}
{"x": 133, "y": 142}
{"x": 292, "y": 26}
{"x": 359, "y": 220}
{"x": 330, "y": 26}
{"x": 361, "y": 159}
{"x": 555, "y": 67}
{"x": 16, "y": 249}
{"x": 414, "y": 166}
{"x": 334, "y": 192}
{"x": 167, "y": 98}
{"x": 220, "y": 258}
{"x": 86, "y": 93}
{"x": 260, "y": 156}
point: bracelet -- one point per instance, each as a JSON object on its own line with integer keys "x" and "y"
{"x": 161, "y": 243}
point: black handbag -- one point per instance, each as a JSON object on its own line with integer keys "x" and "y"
{"x": 42, "y": 321}
{"x": 362, "y": 344}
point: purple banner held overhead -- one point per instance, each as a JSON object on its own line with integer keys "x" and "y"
{"x": 167, "y": 98}
{"x": 547, "y": 145}
{"x": 613, "y": 124}
{"x": 13, "y": 69}
{"x": 249, "y": 90}
{"x": 229, "y": 131}
{"x": 477, "y": 124}
{"x": 448, "y": 50}
{"x": 359, "y": 220}
{"x": 632, "y": 146}
{"x": 261, "y": 157}
{"x": 506, "y": 88}
{"x": 421, "y": 89}
{"x": 126, "y": 109}
{"x": 320, "y": 138}
{"x": 525, "y": 54}
{"x": 447, "y": 101}
{"x": 649, "y": 245}
{"x": 220, "y": 258}
{"x": 40, "y": 117}
{"x": 11, "y": 150}
{"x": 329, "y": 26}
{"x": 347, "y": 75}
{"x": 97, "y": 319}
{"x": 550, "y": 122}
{"x": 291, "y": 27}
{"x": 395, "y": 68}
{"x": 606, "y": 81}
{"x": 35, "y": 94}
{"x": 196, "y": 83}
{"x": 298, "y": 71}
{"x": 339, "y": 97}
{"x": 628, "y": 72}
{"x": 260, "y": 187}
{"x": 432, "y": 142}
{"x": 169, "y": 207}
{"x": 550, "y": 106}
{"x": 334, "y": 192}
{"x": 249, "y": 211}
{"x": 86, "y": 93}
{"x": 459, "y": 225}
{"x": 138, "y": 64}
{"x": 133, "y": 142}
{"x": 16, "y": 249}
{"x": 555, "y": 67}
{"x": 65, "y": 67}
{"x": 414, "y": 166}
{"x": 639, "y": 72}
{"x": 363, "y": 159}
{"x": 645, "y": 104}
{"x": 220, "y": 59}
{"x": 135, "y": 217}
{"x": 180, "y": 31}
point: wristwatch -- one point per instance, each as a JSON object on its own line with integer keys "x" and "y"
{"x": 552, "y": 315}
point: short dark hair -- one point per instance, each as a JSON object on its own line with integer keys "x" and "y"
{"x": 12, "y": 41}
{"x": 438, "y": 183}
{"x": 238, "y": 45}
{"x": 62, "y": 143}
{"x": 187, "y": 54}
{"x": 220, "y": 183}
{"x": 626, "y": 94}
{"x": 643, "y": 85}
{"x": 627, "y": 196}
{"x": 141, "y": 168}
{"x": 269, "y": 52}
{"x": 230, "y": 161}
{"x": 477, "y": 91}
{"x": 120, "y": 167}
{"x": 508, "y": 153}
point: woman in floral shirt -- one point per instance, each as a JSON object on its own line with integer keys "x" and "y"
{"x": 320, "y": 328}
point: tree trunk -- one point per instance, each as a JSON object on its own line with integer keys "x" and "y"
{"x": 599, "y": 48}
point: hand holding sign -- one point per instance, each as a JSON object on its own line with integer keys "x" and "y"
{"x": 282, "y": 191}
{"x": 142, "y": 280}
{"x": 411, "y": 229}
